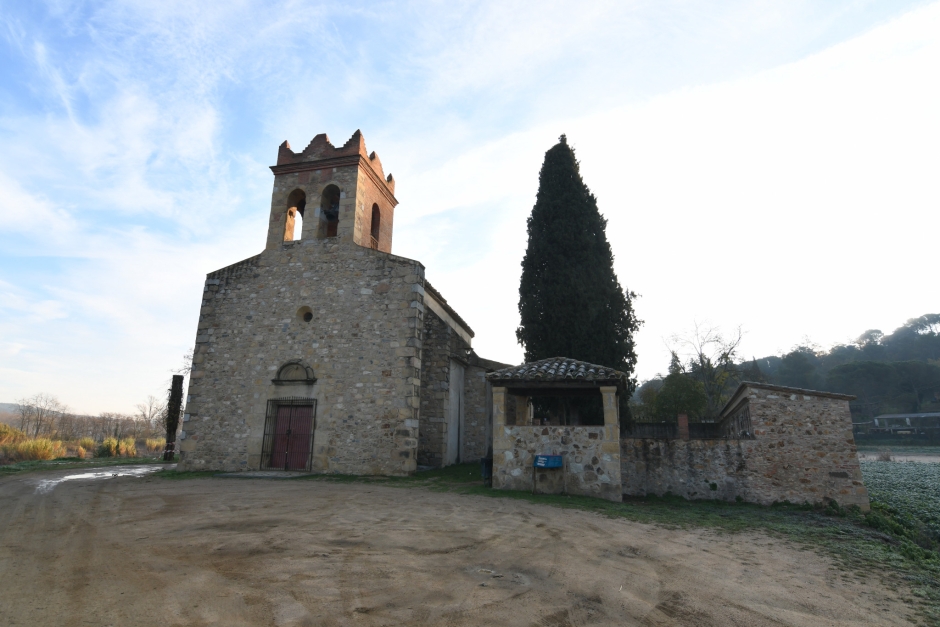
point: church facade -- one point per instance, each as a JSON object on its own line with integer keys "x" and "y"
{"x": 326, "y": 352}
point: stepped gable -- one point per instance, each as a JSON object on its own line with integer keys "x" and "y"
{"x": 321, "y": 148}
{"x": 558, "y": 370}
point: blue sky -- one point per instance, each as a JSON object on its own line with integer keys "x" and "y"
{"x": 764, "y": 164}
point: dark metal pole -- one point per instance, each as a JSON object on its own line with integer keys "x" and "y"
{"x": 174, "y": 407}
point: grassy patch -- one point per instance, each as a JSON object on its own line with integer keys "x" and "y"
{"x": 67, "y": 463}
{"x": 166, "y": 473}
{"x": 901, "y": 447}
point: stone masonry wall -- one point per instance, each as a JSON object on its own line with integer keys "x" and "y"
{"x": 441, "y": 344}
{"x": 477, "y": 417}
{"x": 591, "y": 455}
{"x": 368, "y": 194}
{"x": 437, "y": 341}
{"x": 591, "y": 469}
{"x": 803, "y": 451}
{"x": 363, "y": 344}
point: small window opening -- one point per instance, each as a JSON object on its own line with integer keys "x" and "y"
{"x": 293, "y": 227}
{"x": 376, "y": 227}
{"x": 329, "y": 212}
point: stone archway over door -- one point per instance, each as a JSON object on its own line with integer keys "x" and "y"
{"x": 455, "y": 412}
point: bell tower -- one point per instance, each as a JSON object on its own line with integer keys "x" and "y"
{"x": 338, "y": 193}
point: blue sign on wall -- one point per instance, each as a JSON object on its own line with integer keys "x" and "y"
{"x": 548, "y": 461}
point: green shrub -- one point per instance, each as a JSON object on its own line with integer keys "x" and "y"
{"x": 108, "y": 448}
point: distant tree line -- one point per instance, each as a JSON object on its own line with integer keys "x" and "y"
{"x": 43, "y": 415}
{"x": 895, "y": 373}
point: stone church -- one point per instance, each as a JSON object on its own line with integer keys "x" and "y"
{"x": 326, "y": 352}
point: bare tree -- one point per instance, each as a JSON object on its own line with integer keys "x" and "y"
{"x": 711, "y": 357}
{"x": 38, "y": 414}
{"x": 187, "y": 366}
{"x": 151, "y": 412}
{"x": 68, "y": 426}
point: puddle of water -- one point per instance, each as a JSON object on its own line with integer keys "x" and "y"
{"x": 47, "y": 485}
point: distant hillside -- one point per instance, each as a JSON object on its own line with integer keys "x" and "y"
{"x": 895, "y": 373}
{"x": 8, "y": 413}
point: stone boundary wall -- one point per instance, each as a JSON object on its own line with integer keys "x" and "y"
{"x": 803, "y": 451}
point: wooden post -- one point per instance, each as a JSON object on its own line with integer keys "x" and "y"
{"x": 611, "y": 413}
{"x": 174, "y": 407}
{"x": 499, "y": 435}
{"x": 522, "y": 411}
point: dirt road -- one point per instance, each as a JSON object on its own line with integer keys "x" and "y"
{"x": 149, "y": 551}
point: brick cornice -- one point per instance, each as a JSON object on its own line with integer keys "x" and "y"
{"x": 338, "y": 162}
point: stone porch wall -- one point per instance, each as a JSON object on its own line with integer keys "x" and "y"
{"x": 591, "y": 455}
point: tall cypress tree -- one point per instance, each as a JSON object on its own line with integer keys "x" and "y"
{"x": 570, "y": 300}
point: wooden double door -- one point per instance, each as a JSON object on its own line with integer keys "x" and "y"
{"x": 288, "y": 434}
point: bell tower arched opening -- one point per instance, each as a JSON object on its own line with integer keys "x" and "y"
{"x": 294, "y": 220}
{"x": 329, "y": 212}
{"x": 376, "y": 226}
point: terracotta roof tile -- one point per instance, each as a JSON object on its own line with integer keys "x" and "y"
{"x": 558, "y": 369}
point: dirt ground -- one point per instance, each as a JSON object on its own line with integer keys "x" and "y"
{"x": 149, "y": 551}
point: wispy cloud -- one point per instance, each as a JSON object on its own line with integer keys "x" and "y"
{"x": 137, "y": 137}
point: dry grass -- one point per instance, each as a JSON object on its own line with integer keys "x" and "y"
{"x": 9, "y": 435}
{"x": 127, "y": 447}
{"x": 155, "y": 445}
{"x": 31, "y": 450}
{"x": 86, "y": 443}
{"x": 112, "y": 447}
{"x": 885, "y": 456}
{"x": 80, "y": 451}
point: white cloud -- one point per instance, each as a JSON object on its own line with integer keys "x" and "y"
{"x": 800, "y": 201}
{"x": 136, "y": 160}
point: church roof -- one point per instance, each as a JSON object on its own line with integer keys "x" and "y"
{"x": 558, "y": 370}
